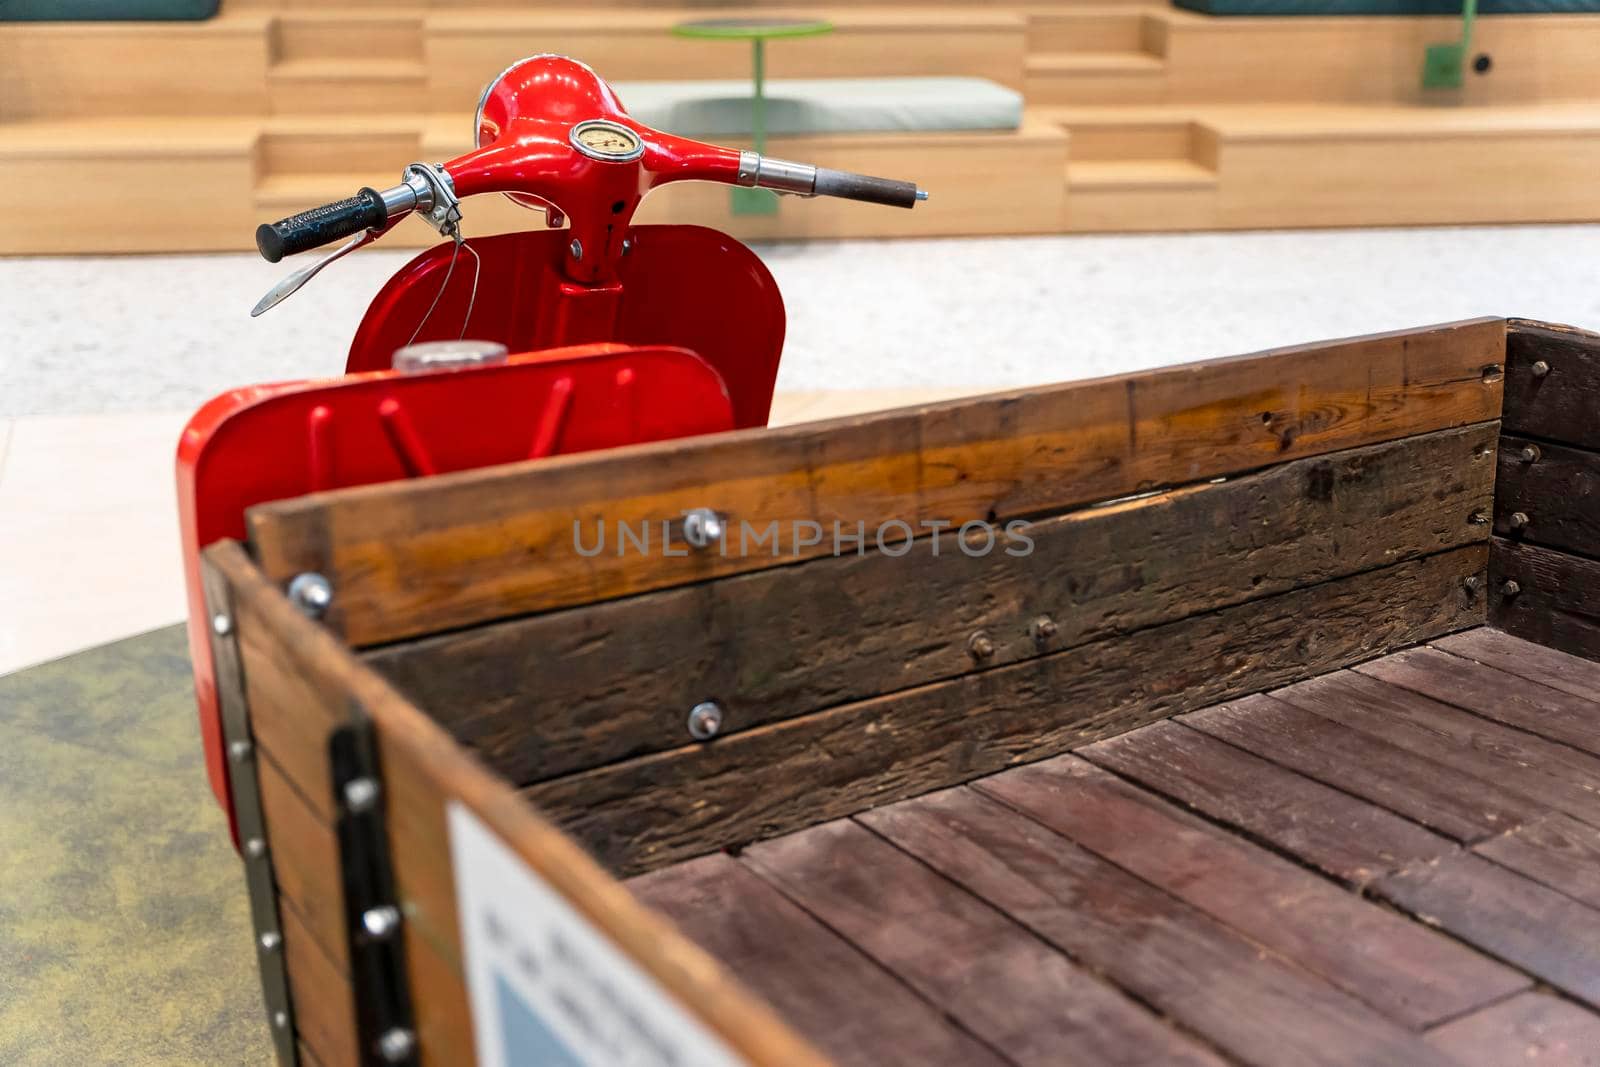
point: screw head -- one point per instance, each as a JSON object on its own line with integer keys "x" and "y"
{"x": 280, "y": 1020}
{"x": 311, "y": 593}
{"x": 381, "y": 921}
{"x": 576, "y": 248}
{"x": 1510, "y": 588}
{"x": 396, "y": 1044}
{"x": 221, "y": 625}
{"x": 360, "y": 794}
{"x": 1519, "y": 520}
{"x": 239, "y": 751}
{"x": 980, "y": 646}
{"x": 1479, "y": 518}
{"x": 255, "y": 848}
{"x": 705, "y": 720}
{"x": 627, "y": 246}
{"x": 702, "y": 527}
{"x": 1043, "y": 629}
{"x": 1540, "y": 368}
{"x": 1530, "y": 453}
{"x": 1471, "y": 582}
{"x": 271, "y": 941}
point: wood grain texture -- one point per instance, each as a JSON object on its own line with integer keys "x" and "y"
{"x": 1547, "y": 934}
{"x": 1533, "y": 1028}
{"x": 1539, "y": 663}
{"x": 1559, "y": 405}
{"x": 1502, "y": 759}
{"x": 1558, "y": 599}
{"x": 1254, "y": 1005}
{"x": 1323, "y": 827}
{"x": 324, "y": 1002}
{"x": 1558, "y": 494}
{"x": 1397, "y": 968}
{"x": 645, "y": 812}
{"x": 1434, "y": 794}
{"x": 815, "y": 977}
{"x": 1557, "y": 851}
{"x": 1494, "y": 694}
{"x": 416, "y": 557}
{"x": 305, "y": 862}
{"x": 992, "y": 975}
{"x": 573, "y": 689}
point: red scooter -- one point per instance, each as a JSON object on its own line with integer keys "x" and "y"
{"x": 507, "y": 348}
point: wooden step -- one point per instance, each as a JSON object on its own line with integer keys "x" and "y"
{"x": 1139, "y": 174}
{"x": 348, "y": 33}
{"x": 1108, "y": 28}
{"x": 307, "y": 145}
{"x": 348, "y": 86}
{"x": 1095, "y": 78}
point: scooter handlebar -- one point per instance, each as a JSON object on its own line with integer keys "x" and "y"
{"x": 321, "y": 225}
{"x": 804, "y": 179}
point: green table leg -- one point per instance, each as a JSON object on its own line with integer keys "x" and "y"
{"x": 757, "y": 201}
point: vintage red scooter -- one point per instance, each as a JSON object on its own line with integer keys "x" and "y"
{"x": 515, "y": 347}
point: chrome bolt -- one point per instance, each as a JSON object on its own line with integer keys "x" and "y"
{"x": 1472, "y": 582}
{"x": 1530, "y": 453}
{"x": 1519, "y": 520}
{"x": 311, "y": 593}
{"x": 239, "y": 751}
{"x": 576, "y": 248}
{"x": 396, "y": 1044}
{"x": 381, "y": 921}
{"x": 255, "y": 848}
{"x": 1540, "y": 368}
{"x": 271, "y": 941}
{"x": 280, "y": 1019}
{"x": 979, "y": 646}
{"x": 221, "y": 625}
{"x": 627, "y": 246}
{"x": 360, "y": 794}
{"x": 705, "y": 720}
{"x": 1511, "y": 588}
{"x": 1043, "y": 629}
{"x": 702, "y": 527}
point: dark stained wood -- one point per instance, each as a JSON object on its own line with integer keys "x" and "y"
{"x": 1256, "y": 1006}
{"x": 1558, "y": 493}
{"x": 652, "y": 810}
{"x": 323, "y": 1000}
{"x": 573, "y": 689}
{"x": 1547, "y": 934}
{"x": 1530, "y": 1030}
{"x": 1328, "y": 829}
{"x": 814, "y": 977}
{"x": 430, "y": 554}
{"x": 1560, "y": 405}
{"x": 1433, "y": 794}
{"x": 1538, "y": 663}
{"x": 1557, "y": 851}
{"x": 1558, "y": 603}
{"x": 993, "y": 976}
{"x": 305, "y": 862}
{"x": 1398, "y": 968}
{"x": 1494, "y": 694}
{"x": 1502, "y": 758}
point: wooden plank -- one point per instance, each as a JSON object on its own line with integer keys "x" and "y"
{"x": 424, "y": 770}
{"x": 1558, "y": 598}
{"x": 1558, "y": 405}
{"x": 573, "y": 689}
{"x": 1547, "y": 934}
{"x": 1399, "y": 969}
{"x": 1494, "y": 694}
{"x": 1557, "y": 851}
{"x": 856, "y": 1011}
{"x": 988, "y": 973}
{"x": 1251, "y": 1003}
{"x": 1533, "y": 1028}
{"x": 1503, "y": 759}
{"x": 652, "y": 810}
{"x": 1434, "y": 794}
{"x": 1557, "y": 495}
{"x": 430, "y": 554}
{"x": 324, "y": 1002}
{"x": 1537, "y": 663}
{"x": 305, "y": 862}
{"x": 1323, "y": 827}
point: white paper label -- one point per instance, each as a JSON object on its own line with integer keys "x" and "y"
{"x": 547, "y": 989}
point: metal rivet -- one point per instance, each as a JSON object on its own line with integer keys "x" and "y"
{"x": 1043, "y": 629}
{"x": 270, "y": 941}
{"x": 311, "y": 593}
{"x": 381, "y": 921}
{"x": 576, "y": 248}
{"x": 979, "y": 646}
{"x": 1519, "y": 520}
{"x": 255, "y": 848}
{"x": 1511, "y": 588}
{"x": 1472, "y": 582}
{"x": 705, "y": 720}
{"x": 1540, "y": 368}
{"x": 1530, "y": 453}
{"x": 702, "y": 527}
{"x": 280, "y": 1019}
{"x": 239, "y": 751}
{"x": 627, "y": 246}
{"x": 396, "y": 1044}
{"x": 1479, "y": 518}
{"x": 221, "y": 625}
{"x": 360, "y": 794}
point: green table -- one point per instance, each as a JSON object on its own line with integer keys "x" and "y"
{"x": 757, "y": 31}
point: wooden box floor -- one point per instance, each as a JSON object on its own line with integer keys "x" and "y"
{"x": 1394, "y": 864}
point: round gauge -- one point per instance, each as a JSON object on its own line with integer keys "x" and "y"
{"x": 609, "y": 142}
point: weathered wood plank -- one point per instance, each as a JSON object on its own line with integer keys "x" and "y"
{"x": 1547, "y": 934}
{"x": 436, "y": 553}
{"x": 1494, "y": 694}
{"x": 1556, "y": 496}
{"x": 1533, "y": 1028}
{"x": 1329, "y": 830}
{"x": 1559, "y": 404}
{"x": 654, "y": 809}
{"x": 551, "y": 694}
{"x": 1399, "y": 969}
{"x": 324, "y": 1002}
{"x": 993, "y": 976}
{"x": 1557, "y": 602}
{"x": 854, "y": 1010}
{"x": 305, "y": 862}
{"x": 1253, "y": 1004}
{"x": 1557, "y": 851}
{"x": 1504, "y": 759}
{"x": 1537, "y": 663}
{"x": 1434, "y": 794}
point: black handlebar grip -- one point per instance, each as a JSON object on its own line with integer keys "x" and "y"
{"x": 850, "y": 186}
{"x": 320, "y": 225}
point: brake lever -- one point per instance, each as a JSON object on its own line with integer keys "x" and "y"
{"x": 291, "y": 284}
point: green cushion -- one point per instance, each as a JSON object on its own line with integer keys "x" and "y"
{"x": 825, "y": 105}
{"x": 1385, "y": 7}
{"x": 105, "y": 10}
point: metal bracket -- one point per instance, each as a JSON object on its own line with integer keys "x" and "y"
{"x": 437, "y": 203}
{"x": 245, "y": 788}
{"x": 372, "y": 911}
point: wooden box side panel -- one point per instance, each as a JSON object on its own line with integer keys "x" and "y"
{"x": 1545, "y": 584}
{"x": 301, "y": 682}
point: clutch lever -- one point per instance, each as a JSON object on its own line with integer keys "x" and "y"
{"x": 292, "y": 283}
